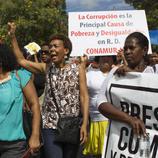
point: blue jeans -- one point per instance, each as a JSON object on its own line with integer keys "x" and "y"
{"x": 57, "y": 150}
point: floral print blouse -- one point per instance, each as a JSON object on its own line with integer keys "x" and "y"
{"x": 64, "y": 84}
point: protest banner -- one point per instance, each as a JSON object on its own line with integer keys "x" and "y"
{"x": 103, "y": 33}
{"x": 137, "y": 95}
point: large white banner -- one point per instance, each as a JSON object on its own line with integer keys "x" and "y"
{"x": 137, "y": 95}
{"x": 103, "y": 33}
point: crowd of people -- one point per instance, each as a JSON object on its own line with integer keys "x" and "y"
{"x": 54, "y": 88}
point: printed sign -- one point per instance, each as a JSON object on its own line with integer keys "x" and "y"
{"x": 104, "y": 33}
{"x": 137, "y": 95}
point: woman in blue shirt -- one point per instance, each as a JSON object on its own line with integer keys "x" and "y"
{"x": 13, "y": 84}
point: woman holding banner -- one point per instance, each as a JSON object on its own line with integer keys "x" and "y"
{"x": 135, "y": 51}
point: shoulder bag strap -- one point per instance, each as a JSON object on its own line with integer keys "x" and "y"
{"x": 51, "y": 89}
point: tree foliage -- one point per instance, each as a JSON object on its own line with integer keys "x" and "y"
{"x": 36, "y": 19}
{"x": 151, "y": 9}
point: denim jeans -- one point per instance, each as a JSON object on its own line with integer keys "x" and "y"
{"x": 12, "y": 149}
{"x": 57, "y": 150}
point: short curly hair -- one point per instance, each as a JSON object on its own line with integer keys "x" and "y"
{"x": 66, "y": 41}
{"x": 7, "y": 59}
{"x": 141, "y": 38}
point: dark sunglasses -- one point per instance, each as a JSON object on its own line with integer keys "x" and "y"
{"x": 44, "y": 51}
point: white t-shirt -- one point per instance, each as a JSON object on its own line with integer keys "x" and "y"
{"x": 101, "y": 98}
{"x": 95, "y": 79}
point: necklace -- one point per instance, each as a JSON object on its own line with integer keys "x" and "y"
{"x": 5, "y": 79}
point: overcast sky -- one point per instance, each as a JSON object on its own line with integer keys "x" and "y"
{"x": 96, "y": 5}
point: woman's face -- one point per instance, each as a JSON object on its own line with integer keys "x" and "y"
{"x": 57, "y": 51}
{"x": 45, "y": 53}
{"x": 133, "y": 52}
{"x": 153, "y": 58}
